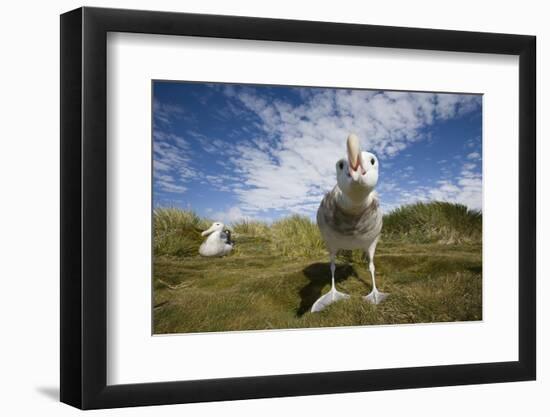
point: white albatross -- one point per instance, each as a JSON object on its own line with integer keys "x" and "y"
{"x": 217, "y": 243}
{"x": 350, "y": 217}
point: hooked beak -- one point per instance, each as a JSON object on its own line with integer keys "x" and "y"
{"x": 354, "y": 156}
{"x": 208, "y": 231}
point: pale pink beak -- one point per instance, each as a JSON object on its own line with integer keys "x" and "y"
{"x": 354, "y": 156}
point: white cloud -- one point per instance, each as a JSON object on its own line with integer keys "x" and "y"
{"x": 292, "y": 164}
{"x": 231, "y": 215}
{"x": 165, "y": 113}
{"x": 171, "y": 187}
{"x": 210, "y": 145}
{"x": 171, "y": 162}
{"x": 465, "y": 189}
{"x": 474, "y": 156}
{"x": 289, "y": 165}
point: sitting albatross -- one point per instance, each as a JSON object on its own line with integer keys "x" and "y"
{"x": 217, "y": 243}
{"x": 350, "y": 217}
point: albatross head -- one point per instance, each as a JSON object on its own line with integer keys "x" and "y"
{"x": 216, "y": 227}
{"x": 357, "y": 174}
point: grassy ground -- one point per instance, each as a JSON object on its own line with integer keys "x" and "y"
{"x": 429, "y": 260}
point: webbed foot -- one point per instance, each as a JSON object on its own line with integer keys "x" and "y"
{"x": 375, "y": 297}
{"x": 330, "y": 297}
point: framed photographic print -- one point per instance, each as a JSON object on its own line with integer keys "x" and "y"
{"x": 258, "y": 208}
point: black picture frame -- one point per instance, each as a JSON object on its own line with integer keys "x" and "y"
{"x": 84, "y": 207}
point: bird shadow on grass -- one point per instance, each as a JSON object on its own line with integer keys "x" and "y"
{"x": 319, "y": 276}
{"x": 475, "y": 269}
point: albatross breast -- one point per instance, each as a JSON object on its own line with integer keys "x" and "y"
{"x": 348, "y": 230}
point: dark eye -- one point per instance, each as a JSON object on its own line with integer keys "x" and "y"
{"x": 341, "y": 165}
{"x": 372, "y": 161}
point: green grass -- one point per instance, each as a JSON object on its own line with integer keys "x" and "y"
{"x": 296, "y": 236}
{"x": 177, "y": 232}
{"x": 434, "y": 222}
{"x": 277, "y": 271}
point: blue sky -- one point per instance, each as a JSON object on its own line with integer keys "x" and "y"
{"x": 230, "y": 151}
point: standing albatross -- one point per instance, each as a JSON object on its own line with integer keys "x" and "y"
{"x": 350, "y": 217}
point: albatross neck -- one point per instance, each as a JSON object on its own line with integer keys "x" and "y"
{"x": 357, "y": 203}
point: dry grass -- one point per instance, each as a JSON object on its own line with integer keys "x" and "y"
{"x": 433, "y": 222}
{"x": 250, "y": 228}
{"x": 177, "y": 232}
{"x": 277, "y": 271}
{"x": 296, "y": 237}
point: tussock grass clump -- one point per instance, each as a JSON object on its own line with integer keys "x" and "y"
{"x": 277, "y": 271}
{"x": 252, "y": 228}
{"x": 177, "y": 232}
{"x": 297, "y": 236}
{"x": 436, "y": 222}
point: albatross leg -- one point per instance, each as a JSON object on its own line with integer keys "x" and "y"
{"x": 375, "y": 296}
{"x": 333, "y": 295}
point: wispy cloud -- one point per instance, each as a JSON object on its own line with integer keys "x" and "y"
{"x": 465, "y": 189}
{"x": 166, "y": 113}
{"x": 292, "y": 164}
{"x": 229, "y": 215}
{"x": 171, "y": 162}
{"x": 276, "y": 153}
